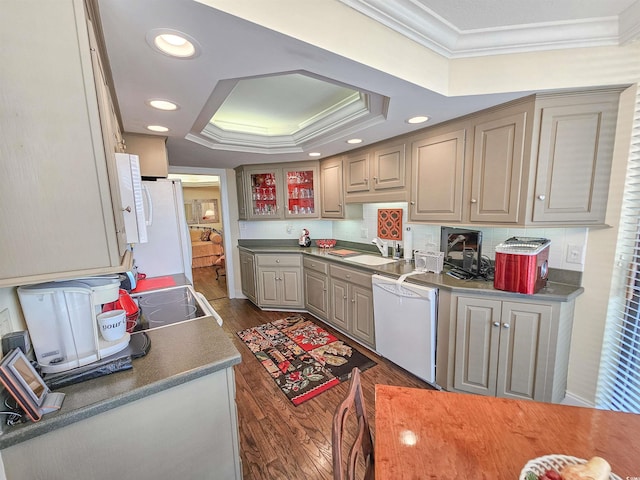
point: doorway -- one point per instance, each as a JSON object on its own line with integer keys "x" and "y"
{"x": 204, "y": 212}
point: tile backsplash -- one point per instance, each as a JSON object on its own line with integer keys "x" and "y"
{"x": 365, "y": 229}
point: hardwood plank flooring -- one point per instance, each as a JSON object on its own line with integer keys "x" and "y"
{"x": 277, "y": 439}
{"x": 204, "y": 279}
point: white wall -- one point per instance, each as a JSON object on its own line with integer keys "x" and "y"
{"x": 423, "y": 235}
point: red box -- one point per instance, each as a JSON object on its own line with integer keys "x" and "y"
{"x": 522, "y": 265}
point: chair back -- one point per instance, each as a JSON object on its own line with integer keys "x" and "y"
{"x": 216, "y": 239}
{"x": 363, "y": 445}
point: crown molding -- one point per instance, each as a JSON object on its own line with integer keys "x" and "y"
{"x": 416, "y": 22}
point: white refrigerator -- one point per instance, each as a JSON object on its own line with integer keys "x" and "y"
{"x": 168, "y": 247}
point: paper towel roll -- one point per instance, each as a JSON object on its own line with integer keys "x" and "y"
{"x": 408, "y": 244}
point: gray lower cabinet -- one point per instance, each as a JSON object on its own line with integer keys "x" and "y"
{"x": 248, "y": 275}
{"x": 202, "y": 446}
{"x": 316, "y": 287}
{"x": 279, "y": 281}
{"x": 351, "y": 303}
{"x": 511, "y": 349}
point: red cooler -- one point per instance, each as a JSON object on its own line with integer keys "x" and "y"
{"x": 522, "y": 265}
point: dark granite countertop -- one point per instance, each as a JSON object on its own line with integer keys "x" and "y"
{"x": 554, "y": 291}
{"x": 179, "y": 353}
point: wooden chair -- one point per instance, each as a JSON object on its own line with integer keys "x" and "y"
{"x": 363, "y": 444}
{"x": 219, "y": 263}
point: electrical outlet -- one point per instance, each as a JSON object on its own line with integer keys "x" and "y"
{"x": 5, "y": 322}
{"x": 575, "y": 254}
{"x": 364, "y": 233}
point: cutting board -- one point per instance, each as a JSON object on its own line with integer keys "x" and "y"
{"x": 343, "y": 253}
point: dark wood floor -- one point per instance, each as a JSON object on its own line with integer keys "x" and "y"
{"x": 277, "y": 439}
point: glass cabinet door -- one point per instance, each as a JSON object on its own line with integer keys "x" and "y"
{"x": 265, "y": 194}
{"x": 301, "y": 192}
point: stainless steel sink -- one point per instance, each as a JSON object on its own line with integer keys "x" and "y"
{"x": 370, "y": 260}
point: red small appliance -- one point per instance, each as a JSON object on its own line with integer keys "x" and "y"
{"x": 522, "y": 265}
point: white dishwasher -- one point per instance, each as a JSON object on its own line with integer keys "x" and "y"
{"x": 405, "y": 318}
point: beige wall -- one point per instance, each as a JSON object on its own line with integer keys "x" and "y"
{"x": 205, "y": 193}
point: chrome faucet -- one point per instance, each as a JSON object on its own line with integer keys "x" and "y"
{"x": 382, "y": 246}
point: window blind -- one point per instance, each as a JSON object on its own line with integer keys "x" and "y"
{"x": 619, "y": 376}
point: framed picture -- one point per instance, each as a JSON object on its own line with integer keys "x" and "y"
{"x": 26, "y": 386}
{"x": 209, "y": 211}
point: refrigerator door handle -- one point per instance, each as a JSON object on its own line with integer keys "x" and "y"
{"x": 147, "y": 194}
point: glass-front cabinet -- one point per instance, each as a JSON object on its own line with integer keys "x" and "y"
{"x": 282, "y": 191}
{"x": 300, "y": 192}
{"x": 265, "y": 193}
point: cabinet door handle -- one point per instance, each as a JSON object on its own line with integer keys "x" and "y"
{"x": 345, "y": 297}
{"x": 128, "y": 209}
{"x": 366, "y": 180}
{"x": 348, "y": 276}
{"x": 505, "y": 325}
{"x": 353, "y": 300}
{"x": 496, "y": 324}
{"x": 277, "y": 260}
{"x": 473, "y": 200}
{"x": 375, "y": 179}
{"x": 541, "y": 197}
{"x": 412, "y": 202}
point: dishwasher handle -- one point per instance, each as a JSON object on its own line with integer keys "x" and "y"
{"x": 400, "y": 291}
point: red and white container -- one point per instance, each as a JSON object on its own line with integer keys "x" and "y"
{"x": 522, "y": 265}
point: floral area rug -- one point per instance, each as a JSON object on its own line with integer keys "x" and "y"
{"x": 303, "y": 358}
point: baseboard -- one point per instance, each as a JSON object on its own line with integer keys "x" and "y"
{"x": 576, "y": 401}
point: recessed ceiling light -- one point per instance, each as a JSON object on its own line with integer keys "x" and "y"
{"x": 173, "y": 43}
{"x": 354, "y": 140}
{"x": 157, "y": 128}
{"x": 419, "y": 119}
{"x": 314, "y": 154}
{"x": 162, "y": 104}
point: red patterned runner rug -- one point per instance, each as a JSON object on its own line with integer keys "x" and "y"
{"x": 302, "y": 358}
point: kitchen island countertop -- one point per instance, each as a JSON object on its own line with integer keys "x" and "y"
{"x": 179, "y": 353}
{"x": 554, "y": 291}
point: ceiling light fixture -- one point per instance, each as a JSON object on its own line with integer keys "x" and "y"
{"x": 157, "y": 128}
{"x": 418, "y": 119}
{"x": 173, "y": 43}
{"x": 162, "y": 104}
{"x": 353, "y": 141}
{"x": 314, "y": 154}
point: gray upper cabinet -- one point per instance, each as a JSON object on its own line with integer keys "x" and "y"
{"x": 541, "y": 161}
{"x": 498, "y": 163}
{"x": 57, "y": 150}
{"x": 437, "y": 180}
{"x": 377, "y": 174}
{"x": 575, "y": 152}
{"x": 151, "y": 151}
{"x": 331, "y": 188}
{"x": 356, "y": 172}
{"x": 241, "y": 191}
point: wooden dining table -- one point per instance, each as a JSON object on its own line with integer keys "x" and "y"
{"x": 427, "y": 434}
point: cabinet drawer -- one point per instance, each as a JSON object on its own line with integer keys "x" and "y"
{"x": 350, "y": 275}
{"x": 312, "y": 263}
{"x": 292, "y": 260}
